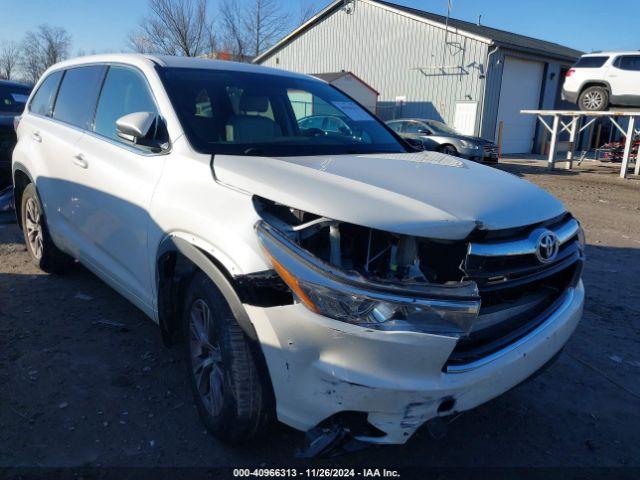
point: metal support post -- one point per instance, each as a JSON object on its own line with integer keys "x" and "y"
{"x": 573, "y": 131}
{"x": 628, "y": 144}
{"x": 554, "y": 142}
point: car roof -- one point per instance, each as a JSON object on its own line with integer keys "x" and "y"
{"x": 413, "y": 120}
{"x": 621, "y": 52}
{"x": 167, "y": 61}
{"x": 10, "y": 83}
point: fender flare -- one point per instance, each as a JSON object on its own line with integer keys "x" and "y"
{"x": 19, "y": 167}
{"x": 209, "y": 267}
{"x": 604, "y": 83}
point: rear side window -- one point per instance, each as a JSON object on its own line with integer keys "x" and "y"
{"x": 125, "y": 91}
{"x": 591, "y": 62}
{"x": 78, "y": 94}
{"x": 628, "y": 62}
{"x": 42, "y": 102}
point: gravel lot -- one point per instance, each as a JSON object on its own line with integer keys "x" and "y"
{"x": 85, "y": 380}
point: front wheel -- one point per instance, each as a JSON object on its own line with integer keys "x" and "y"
{"x": 594, "y": 99}
{"x": 231, "y": 394}
{"x": 448, "y": 150}
{"x": 43, "y": 252}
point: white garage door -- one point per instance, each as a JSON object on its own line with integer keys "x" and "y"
{"x": 520, "y": 90}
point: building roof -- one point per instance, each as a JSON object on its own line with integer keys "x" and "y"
{"x": 488, "y": 34}
{"x": 502, "y": 37}
{"x": 333, "y": 76}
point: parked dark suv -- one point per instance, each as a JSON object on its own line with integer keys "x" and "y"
{"x": 13, "y": 97}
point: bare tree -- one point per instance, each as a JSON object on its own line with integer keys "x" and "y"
{"x": 252, "y": 26}
{"x": 234, "y": 38}
{"x": 9, "y": 57}
{"x": 174, "y": 27}
{"x": 139, "y": 43}
{"x": 265, "y": 22}
{"x": 42, "y": 48}
{"x": 307, "y": 10}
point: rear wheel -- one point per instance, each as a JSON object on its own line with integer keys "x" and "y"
{"x": 594, "y": 99}
{"x": 230, "y": 393}
{"x": 44, "y": 254}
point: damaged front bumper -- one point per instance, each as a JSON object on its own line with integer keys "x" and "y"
{"x": 320, "y": 367}
{"x": 327, "y": 357}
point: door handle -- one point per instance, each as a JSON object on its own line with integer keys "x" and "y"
{"x": 36, "y": 136}
{"x": 80, "y": 161}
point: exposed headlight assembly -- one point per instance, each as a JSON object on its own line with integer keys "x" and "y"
{"x": 349, "y": 297}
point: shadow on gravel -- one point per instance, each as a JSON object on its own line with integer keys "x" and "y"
{"x": 522, "y": 169}
{"x": 86, "y": 381}
{"x": 607, "y": 170}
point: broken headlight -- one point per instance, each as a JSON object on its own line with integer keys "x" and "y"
{"x": 352, "y": 298}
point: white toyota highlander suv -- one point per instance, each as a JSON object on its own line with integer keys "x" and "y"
{"x": 318, "y": 277}
{"x": 600, "y": 80}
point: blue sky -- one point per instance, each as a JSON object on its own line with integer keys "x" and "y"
{"x": 103, "y": 25}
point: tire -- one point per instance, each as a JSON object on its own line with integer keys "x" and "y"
{"x": 448, "y": 150}
{"x": 230, "y": 390}
{"x": 594, "y": 99}
{"x": 43, "y": 252}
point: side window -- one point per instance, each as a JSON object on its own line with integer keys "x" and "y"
{"x": 77, "y": 97}
{"x": 305, "y": 104}
{"x": 311, "y": 122}
{"x": 591, "y": 62}
{"x": 629, "y": 62}
{"x": 125, "y": 91}
{"x": 396, "y": 126}
{"x": 412, "y": 127}
{"x": 42, "y": 102}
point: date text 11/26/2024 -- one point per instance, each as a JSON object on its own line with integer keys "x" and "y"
{"x": 316, "y": 473}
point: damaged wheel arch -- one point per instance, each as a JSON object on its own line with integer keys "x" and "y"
{"x": 177, "y": 261}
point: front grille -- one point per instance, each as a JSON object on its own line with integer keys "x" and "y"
{"x": 490, "y": 150}
{"x": 518, "y": 290}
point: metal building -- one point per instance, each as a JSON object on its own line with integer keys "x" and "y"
{"x": 353, "y": 86}
{"x": 424, "y": 65}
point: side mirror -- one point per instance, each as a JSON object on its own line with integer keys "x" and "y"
{"x": 424, "y": 131}
{"x": 414, "y": 142}
{"x": 143, "y": 128}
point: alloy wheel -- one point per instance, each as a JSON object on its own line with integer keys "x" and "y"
{"x": 206, "y": 357}
{"x": 592, "y": 100}
{"x": 449, "y": 150}
{"x": 33, "y": 224}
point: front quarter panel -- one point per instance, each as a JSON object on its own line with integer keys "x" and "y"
{"x": 190, "y": 204}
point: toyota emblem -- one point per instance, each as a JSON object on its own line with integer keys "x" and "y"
{"x": 547, "y": 247}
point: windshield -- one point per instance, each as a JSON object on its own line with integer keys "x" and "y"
{"x": 241, "y": 113}
{"x": 441, "y": 128}
{"x": 13, "y": 99}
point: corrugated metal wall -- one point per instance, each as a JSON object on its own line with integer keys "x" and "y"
{"x": 549, "y": 93}
{"x": 385, "y": 49}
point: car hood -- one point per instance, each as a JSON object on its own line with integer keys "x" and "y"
{"x": 468, "y": 138}
{"x": 424, "y": 194}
